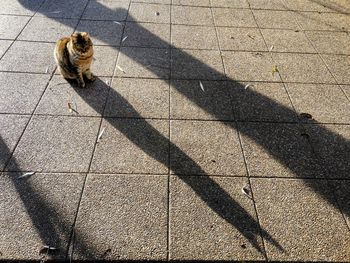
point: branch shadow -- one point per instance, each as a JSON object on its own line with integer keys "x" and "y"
{"x": 293, "y": 156}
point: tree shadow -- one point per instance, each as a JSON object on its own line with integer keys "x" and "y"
{"x": 297, "y": 150}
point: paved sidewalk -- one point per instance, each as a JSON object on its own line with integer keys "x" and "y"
{"x": 216, "y": 130}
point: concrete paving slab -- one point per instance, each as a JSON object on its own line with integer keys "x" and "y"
{"x": 196, "y": 64}
{"x": 198, "y": 233}
{"x": 190, "y": 15}
{"x": 4, "y": 45}
{"x": 293, "y": 213}
{"x": 132, "y": 146}
{"x": 146, "y": 35}
{"x": 246, "y": 39}
{"x": 249, "y": 66}
{"x": 190, "y": 101}
{"x": 105, "y": 33}
{"x": 326, "y": 103}
{"x": 11, "y": 7}
{"x": 12, "y": 127}
{"x": 287, "y": 41}
{"x": 266, "y": 4}
{"x": 323, "y": 21}
{"x": 276, "y": 19}
{"x": 278, "y": 150}
{"x": 107, "y": 10}
{"x": 330, "y": 42}
{"x": 309, "y": 5}
{"x": 331, "y": 143}
{"x": 123, "y": 217}
{"x": 233, "y": 17}
{"x": 302, "y": 68}
{"x": 40, "y": 211}
{"x": 148, "y": 98}
{"x": 89, "y": 101}
{"x": 212, "y": 146}
{"x": 144, "y": 12}
{"x": 339, "y": 66}
{"x": 62, "y": 144}
{"x": 261, "y": 102}
{"x": 143, "y": 63}
{"x": 62, "y": 9}
{"x": 192, "y": 2}
{"x": 17, "y": 24}
{"x": 48, "y": 30}
{"x": 31, "y": 57}
{"x": 20, "y": 92}
{"x": 230, "y": 3}
{"x": 104, "y": 60}
{"x": 194, "y": 37}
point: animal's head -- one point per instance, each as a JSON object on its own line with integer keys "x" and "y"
{"x": 81, "y": 41}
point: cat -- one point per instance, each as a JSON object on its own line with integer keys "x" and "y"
{"x": 73, "y": 56}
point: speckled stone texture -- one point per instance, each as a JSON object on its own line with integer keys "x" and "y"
{"x": 48, "y": 30}
{"x": 12, "y": 127}
{"x": 32, "y": 57}
{"x": 332, "y": 144}
{"x": 89, "y": 101}
{"x": 143, "y": 62}
{"x": 21, "y": 92}
{"x": 299, "y": 214}
{"x": 132, "y": 146}
{"x": 35, "y": 212}
{"x": 206, "y": 148}
{"x": 206, "y": 100}
{"x": 213, "y": 221}
{"x": 122, "y": 217}
{"x": 278, "y": 150}
{"x": 326, "y": 103}
{"x": 261, "y": 101}
{"x": 52, "y": 144}
{"x": 148, "y": 98}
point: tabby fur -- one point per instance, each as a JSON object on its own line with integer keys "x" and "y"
{"x": 73, "y": 56}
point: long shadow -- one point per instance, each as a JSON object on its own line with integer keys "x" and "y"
{"x": 52, "y": 227}
{"x": 294, "y": 155}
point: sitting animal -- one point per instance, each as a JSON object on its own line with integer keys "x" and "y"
{"x": 73, "y": 56}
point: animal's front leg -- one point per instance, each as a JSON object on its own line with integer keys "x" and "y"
{"x": 88, "y": 74}
{"x": 80, "y": 79}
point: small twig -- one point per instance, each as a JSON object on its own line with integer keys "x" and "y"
{"x": 100, "y": 135}
{"x": 201, "y": 85}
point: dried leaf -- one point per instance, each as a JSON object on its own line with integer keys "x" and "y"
{"x": 306, "y": 115}
{"x": 270, "y": 49}
{"x": 157, "y": 13}
{"x": 47, "y": 249}
{"x": 201, "y": 85}
{"x": 248, "y": 85}
{"x": 70, "y": 108}
{"x": 100, "y": 135}
{"x": 26, "y": 175}
{"x": 122, "y": 70}
{"x": 124, "y": 39}
{"x": 245, "y": 191}
{"x": 274, "y": 70}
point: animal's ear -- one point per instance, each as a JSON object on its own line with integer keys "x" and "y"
{"x": 85, "y": 34}
{"x": 74, "y": 35}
